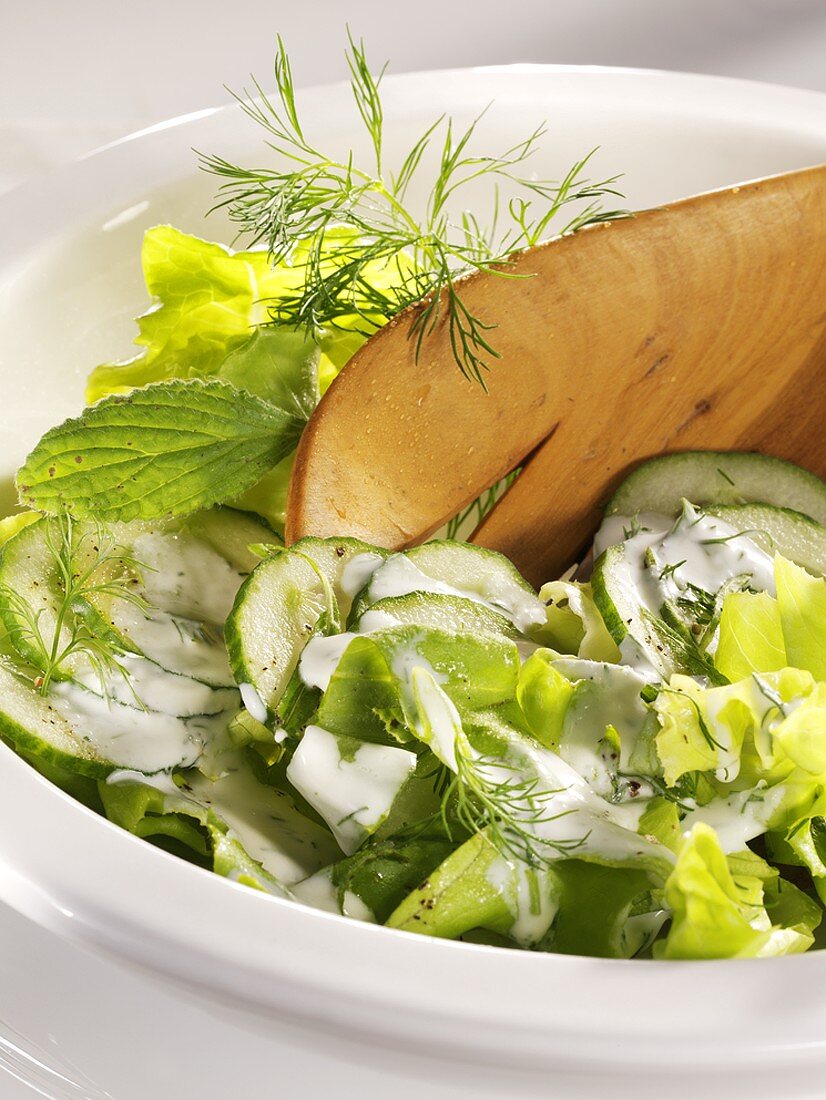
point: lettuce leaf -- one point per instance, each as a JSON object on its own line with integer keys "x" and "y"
{"x": 751, "y": 636}
{"x": 210, "y": 317}
{"x": 718, "y": 909}
{"x": 544, "y": 694}
{"x": 801, "y": 601}
{"x": 207, "y": 300}
{"x": 594, "y": 904}
{"x": 280, "y": 365}
{"x": 383, "y": 872}
{"x": 734, "y": 730}
{"x": 574, "y": 623}
{"x": 196, "y": 833}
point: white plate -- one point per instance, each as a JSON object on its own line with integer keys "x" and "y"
{"x": 69, "y": 284}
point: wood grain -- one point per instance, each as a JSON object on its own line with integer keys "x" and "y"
{"x": 698, "y": 325}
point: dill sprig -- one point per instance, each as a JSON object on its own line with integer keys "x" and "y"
{"x": 487, "y": 793}
{"x": 88, "y": 565}
{"x": 364, "y": 252}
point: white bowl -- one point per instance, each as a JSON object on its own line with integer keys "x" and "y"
{"x": 481, "y": 1021}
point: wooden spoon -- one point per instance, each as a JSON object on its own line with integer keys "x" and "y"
{"x": 700, "y": 325}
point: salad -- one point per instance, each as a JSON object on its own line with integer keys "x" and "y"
{"x": 629, "y": 762}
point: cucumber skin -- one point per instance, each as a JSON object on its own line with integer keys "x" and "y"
{"x": 240, "y": 630}
{"x": 361, "y": 601}
{"x": 84, "y": 762}
{"x": 614, "y": 622}
{"x": 793, "y": 534}
{"x": 479, "y": 617}
{"x": 673, "y": 639}
{"x": 24, "y": 741}
{"x": 782, "y": 484}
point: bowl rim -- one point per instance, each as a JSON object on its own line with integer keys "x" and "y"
{"x": 381, "y": 982}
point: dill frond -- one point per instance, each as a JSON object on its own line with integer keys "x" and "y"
{"x": 365, "y": 253}
{"x": 487, "y": 793}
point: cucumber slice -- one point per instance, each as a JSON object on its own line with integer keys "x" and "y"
{"x": 461, "y": 570}
{"x": 718, "y": 477}
{"x": 288, "y": 598}
{"x": 194, "y": 569}
{"x": 781, "y": 530}
{"x": 112, "y": 700}
{"x": 276, "y": 612}
{"x": 644, "y": 639}
{"x": 435, "y": 611}
{"x": 76, "y": 729}
{"x": 32, "y": 725}
{"x": 333, "y": 556}
{"x": 230, "y": 532}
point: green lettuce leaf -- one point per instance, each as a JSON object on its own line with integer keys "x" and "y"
{"x": 461, "y": 894}
{"x": 719, "y": 912}
{"x": 734, "y": 730}
{"x": 801, "y": 600}
{"x": 171, "y": 448}
{"x": 594, "y": 904}
{"x": 802, "y": 734}
{"x": 207, "y": 301}
{"x": 195, "y": 832}
{"x": 383, "y": 872}
{"x": 210, "y": 317}
{"x": 281, "y": 366}
{"x": 751, "y": 636}
{"x": 574, "y": 623}
{"x": 544, "y": 695}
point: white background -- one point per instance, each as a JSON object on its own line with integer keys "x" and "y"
{"x": 75, "y": 74}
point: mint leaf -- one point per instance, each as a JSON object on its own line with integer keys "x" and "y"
{"x": 166, "y": 449}
{"x": 280, "y": 365}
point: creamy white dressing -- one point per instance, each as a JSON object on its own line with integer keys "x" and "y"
{"x": 253, "y": 703}
{"x": 145, "y": 740}
{"x": 357, "y": 572}
{"x": 161, "y": 781}
{"x": 605, "y": 695}
{"x": 174, "y": 642}
{"x": 575, "y": 815}
{"x": 739, "y": 818}
{"x": 320, "y": 657}
{"x": 529, "y": 896}
{"x": 169, "y": 707}
{"x": 713, "y": 552}
{"x": 651, "y": 526}
{"x": 633, "y": 656}
{"x": 698, "y": 549}
{"x": 374, "y": 619}
{"x": 575, "y": 822}
{"x": 353, "y": 795}
{"x": 640, "y": 931}
{"x": 436, "y": 720}
{"x": 184, "y": 576}
{"x": 265, "y": 822}
{"x": 139, "y": 683}
{"x": 319, "y": 891}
